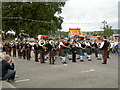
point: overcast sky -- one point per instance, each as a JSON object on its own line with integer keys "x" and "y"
{"x": 89, "y": 14}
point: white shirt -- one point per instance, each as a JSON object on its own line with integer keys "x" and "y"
{"x": 102, "y": 44}
{"x": 87, "y": 44}
{"x": 61, "y": 43}
{"x": 78, "y": 45}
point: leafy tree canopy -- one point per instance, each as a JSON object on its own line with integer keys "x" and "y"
{"x": 37, "y": 17}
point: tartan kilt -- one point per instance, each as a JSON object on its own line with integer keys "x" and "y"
{"x": 46, "y": 52}
{"x": 81, "y": 52}
{"x": 52, "y": 53}
{"x": 99, "y": 51}
{"x": 69, "y": 51}
{"x": 88, "y": 51}
{"x": 63, "y": 52}
{"x": 78, "y": 51}
{"x": 56, "y": 52}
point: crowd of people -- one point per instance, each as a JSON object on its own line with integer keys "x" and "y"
{"x": 50, "y": 49}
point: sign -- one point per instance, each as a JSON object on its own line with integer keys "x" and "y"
{"x": 75, "y": 31}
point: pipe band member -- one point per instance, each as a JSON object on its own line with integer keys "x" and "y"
{"x": 104, "y": 47}
{"x": 88, "y": 49}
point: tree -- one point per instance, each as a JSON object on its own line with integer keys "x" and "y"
{"x": 108, "y": 31}
{"x": 34, "y": 18}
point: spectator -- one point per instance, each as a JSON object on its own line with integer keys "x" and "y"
{"x": 8, "y": 72}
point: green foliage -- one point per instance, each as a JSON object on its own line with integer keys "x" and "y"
{"x": 42, "y": 11}
{"x": 108, "y": 31}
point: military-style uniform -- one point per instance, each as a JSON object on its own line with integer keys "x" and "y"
{"x": 19, "y": 47}
{"x": 63, "y": 52}
{"x": 51, "y": 55}
{"x": 36, "y": 51}
{"x": 80, "y": 50}
{"x": 74, "y": 51}
{"x": 88, "y": 49}
{"x": 99, "y": 51}
{"x": 104, "y": 47}
{"x": 9, "y": 48}
{"x": 6, "y": 47}
{"x": 23, "y": 50}
{"x": 42, "y": 52}
{"x": 14, "y": 49}
{"x": 27, "y": 51}
{"x": 69, "y": 50}
{"x": 95, "y": 49}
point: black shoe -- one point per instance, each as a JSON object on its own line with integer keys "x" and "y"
{"x": 74, "y": 61}
{"x": 70, "y": 59}
{"x": 89, "y": 60}
{"x": 42, "y": 62}
{"x": 99, "y": 59}
{"x": 36, "y": 61}
{"x": 104, "y": 63}
{"x": 64, "y": 62}
{"x": 87, "y": 57}
{"x": 81, "y": 60}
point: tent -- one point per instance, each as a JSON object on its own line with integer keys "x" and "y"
{"x": 10, "y": 32}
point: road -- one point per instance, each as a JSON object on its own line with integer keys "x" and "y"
{"x": 88, "y": 74}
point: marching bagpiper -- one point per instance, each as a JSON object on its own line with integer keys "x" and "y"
{"x": 63, "y": 51}
{"x": 69, "y": 50}
{"x": 81, "y": 49}
{"x": 88, "y": 49}
{"x": 99, "y": 51}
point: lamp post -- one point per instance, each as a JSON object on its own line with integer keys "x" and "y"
{"x": 104, "y": 23}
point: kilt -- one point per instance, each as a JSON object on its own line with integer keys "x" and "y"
{"x": 52, "y": 53}
{"x": 56, "y": 52}
{"x": 63, "y": 52}
{"x": 69, "y": 51}
{"x": 46, "y": 52}
{"x": 99, "y": 51}
{"x": 88, "y": 51}
{"x": 81, "y": 52}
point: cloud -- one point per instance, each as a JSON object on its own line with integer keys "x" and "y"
{"x": 89, "y": 14}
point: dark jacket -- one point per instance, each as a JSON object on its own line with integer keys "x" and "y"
{"x": 5, "y": 67}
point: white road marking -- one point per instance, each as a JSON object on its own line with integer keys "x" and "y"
{"x": 90, "y": 70}
{"x": 65, "y": 64}
{"x": 22, "y": 80}
{"x": 61, "y": 65}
